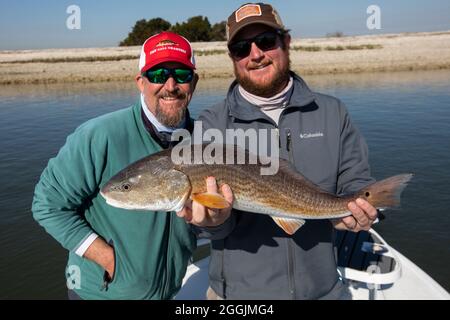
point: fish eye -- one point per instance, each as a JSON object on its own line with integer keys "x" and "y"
{"x": 126, "y": 187}
{"x": 367, "y": 194}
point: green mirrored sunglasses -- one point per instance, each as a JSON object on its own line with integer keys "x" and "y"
{"x": 160, "y": 75}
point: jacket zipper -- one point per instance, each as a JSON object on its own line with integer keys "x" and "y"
{"x": 166, "y": 285}
{"x": 290, "y": 252}
{"x": 291, "y": 269}
{"x": 289, "y": 145}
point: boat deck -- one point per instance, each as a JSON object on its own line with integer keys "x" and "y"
{"x": 370, "y": 268}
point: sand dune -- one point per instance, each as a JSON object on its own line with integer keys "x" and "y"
{"x": 374, "y": 53}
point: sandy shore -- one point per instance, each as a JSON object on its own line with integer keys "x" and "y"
{"x": 390, "y": 52}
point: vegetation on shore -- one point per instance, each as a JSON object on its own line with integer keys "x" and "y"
{"x": 330, "y": 55}
{"x": 203, "y": 52}
{"x": 195, "y": 29}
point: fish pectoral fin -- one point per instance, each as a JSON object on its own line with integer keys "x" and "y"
{"x": 211, "y": 200}
{"x": 290, "y": 226}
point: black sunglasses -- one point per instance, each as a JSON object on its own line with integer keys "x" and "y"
{"x": 264, "y": 41}
{"x": 160, "y": 75}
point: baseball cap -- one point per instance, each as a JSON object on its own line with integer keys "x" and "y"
{"x": 251, "y": 13}
{"x": 164, "y": 47}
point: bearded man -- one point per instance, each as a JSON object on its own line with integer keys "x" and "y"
{"x": 115, "y": 254}
{"x": 257, "y": 259}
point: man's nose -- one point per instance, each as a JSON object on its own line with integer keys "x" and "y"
{"x": 255, "y": 52}
{"x": 171, "y": 85}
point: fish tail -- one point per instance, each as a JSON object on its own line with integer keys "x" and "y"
{"x": 386, "y": 193}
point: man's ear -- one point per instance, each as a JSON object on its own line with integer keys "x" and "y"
{"x": 140, "y": 82}
{"x": 287, "y": 40}
{"x": 194, "y": 81}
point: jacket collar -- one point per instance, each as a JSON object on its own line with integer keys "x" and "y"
{"x": 241, "y": 109}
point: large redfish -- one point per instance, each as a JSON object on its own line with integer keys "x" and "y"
{"x": 158, "y": 184}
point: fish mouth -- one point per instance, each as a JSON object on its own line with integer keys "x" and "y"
{"x": 110, "y": 201}
{"x": 118, "y": 204}
{"x": 103, "y": 193}
{"x": 107, "y": 199}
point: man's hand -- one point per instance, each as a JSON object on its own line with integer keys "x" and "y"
{"x": 199, "y": 215}
{"x": 103, "y": 254}
{"x": 362, "y": 218}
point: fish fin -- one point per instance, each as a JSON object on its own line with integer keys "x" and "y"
{"x": 386, "y": 193}
{"x": 211, "y": 200}
{"x": 290, "y": 226}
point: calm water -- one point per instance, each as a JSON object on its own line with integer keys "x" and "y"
{"x": 405, "y": 118}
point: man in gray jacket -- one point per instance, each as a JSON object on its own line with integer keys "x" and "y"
{"x": 255, "y": 259}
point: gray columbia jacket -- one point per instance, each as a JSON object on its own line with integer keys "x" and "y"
{"x": 253, "y": 258}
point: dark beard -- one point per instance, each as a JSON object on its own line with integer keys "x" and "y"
{"x": 268, "y": 90}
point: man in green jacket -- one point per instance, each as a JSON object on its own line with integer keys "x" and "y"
{"x": 115, "y": 253}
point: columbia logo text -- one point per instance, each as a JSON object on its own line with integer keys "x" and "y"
{"x": 311, "y": 135}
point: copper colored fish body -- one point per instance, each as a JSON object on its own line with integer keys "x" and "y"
{"x": 156, "y": 183}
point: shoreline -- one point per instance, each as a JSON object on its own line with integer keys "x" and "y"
{"x": 315, "y": 56}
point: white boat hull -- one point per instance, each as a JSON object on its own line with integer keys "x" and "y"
{"x": 405, "y": 282}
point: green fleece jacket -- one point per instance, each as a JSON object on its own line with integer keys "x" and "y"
{"x": 152, "y": 249}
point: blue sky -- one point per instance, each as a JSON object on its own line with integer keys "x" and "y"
{"x": 27, "y": 24}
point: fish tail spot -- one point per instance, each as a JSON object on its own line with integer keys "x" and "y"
{"x": 386, "y": 193}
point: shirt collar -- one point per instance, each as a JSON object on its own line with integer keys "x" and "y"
{"x": 280, "y": 100}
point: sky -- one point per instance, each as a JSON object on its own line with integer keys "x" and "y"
{"x": 31, "y": 24}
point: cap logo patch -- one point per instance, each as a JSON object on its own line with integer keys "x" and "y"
{"x": 167, "y": 43}
{"x": 249, "y": 10}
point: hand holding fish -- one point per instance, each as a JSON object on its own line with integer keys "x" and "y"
{"x": 199, "y": 215}
{"x": 362, "y": 218}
